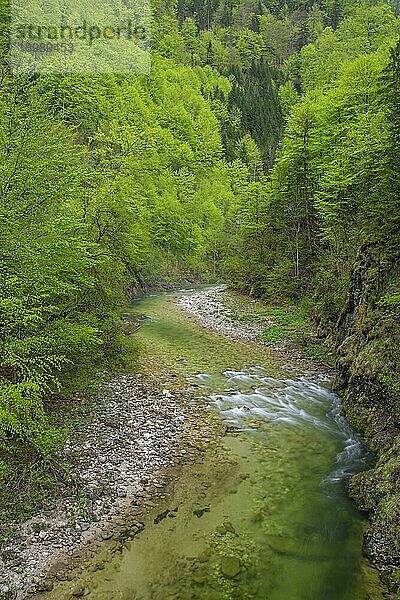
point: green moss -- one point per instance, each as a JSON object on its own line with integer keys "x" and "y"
{"x": 378, "y": 492}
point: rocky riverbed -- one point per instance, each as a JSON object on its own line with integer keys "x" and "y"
{"x": 215, "y": 309}
{"x": 118, "y": 459}
{"x": 238, "y": 520}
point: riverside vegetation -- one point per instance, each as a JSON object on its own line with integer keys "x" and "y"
{"x": 261, "y": 150}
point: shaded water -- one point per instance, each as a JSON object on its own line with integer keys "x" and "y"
{"x": 265, "y": 516}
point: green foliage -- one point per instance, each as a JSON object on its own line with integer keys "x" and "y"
{"x": 365, "y": 30}
{"x": 392, "y": 301}
{"x": 288, "y": 317}
{"x": 320, "y": 352}
{"x": 102, "y": 179}
{"x": 331, "y": 196}
{"x": 333, "y": 186}
{"x": 26, "y": 483}
{"x": 110, "y": 180}
{"x": 3, "y": 470}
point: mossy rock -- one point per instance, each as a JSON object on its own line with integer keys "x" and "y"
{"x": 226, "y": 527}
{"x": 289, "y": 546}
{"x": 230, "y": 566}
{"x": 283, "y": 545}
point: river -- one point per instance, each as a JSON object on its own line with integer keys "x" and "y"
{"x": 263, "y": 514}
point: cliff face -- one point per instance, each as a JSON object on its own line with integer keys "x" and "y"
{"x": 368, "y": 345}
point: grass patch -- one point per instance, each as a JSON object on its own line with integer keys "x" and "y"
{"x": 272, "y": 335}
{"x": 256, "y": 317}
{"x": 286, "y": 323}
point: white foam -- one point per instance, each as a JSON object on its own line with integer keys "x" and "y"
{"x": 294, "y": 403}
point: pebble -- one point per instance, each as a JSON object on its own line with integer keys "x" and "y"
{"x": 45, "y": 586}
{"x": 15, "y": 563}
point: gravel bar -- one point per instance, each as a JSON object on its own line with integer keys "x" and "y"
{"x": 213, "y": 309}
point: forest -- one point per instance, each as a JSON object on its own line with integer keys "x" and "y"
{"x": 261, "y": 150}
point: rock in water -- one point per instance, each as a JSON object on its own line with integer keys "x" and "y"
{"x": 229, "y": 527}
{"x": 304, "y": 550}
{"x": 230, "y": 566}
{"x": 283, "y": 545}
{"x": 225, "y": 528}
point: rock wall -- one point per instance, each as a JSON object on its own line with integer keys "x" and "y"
{"x": 368, "y": 346}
